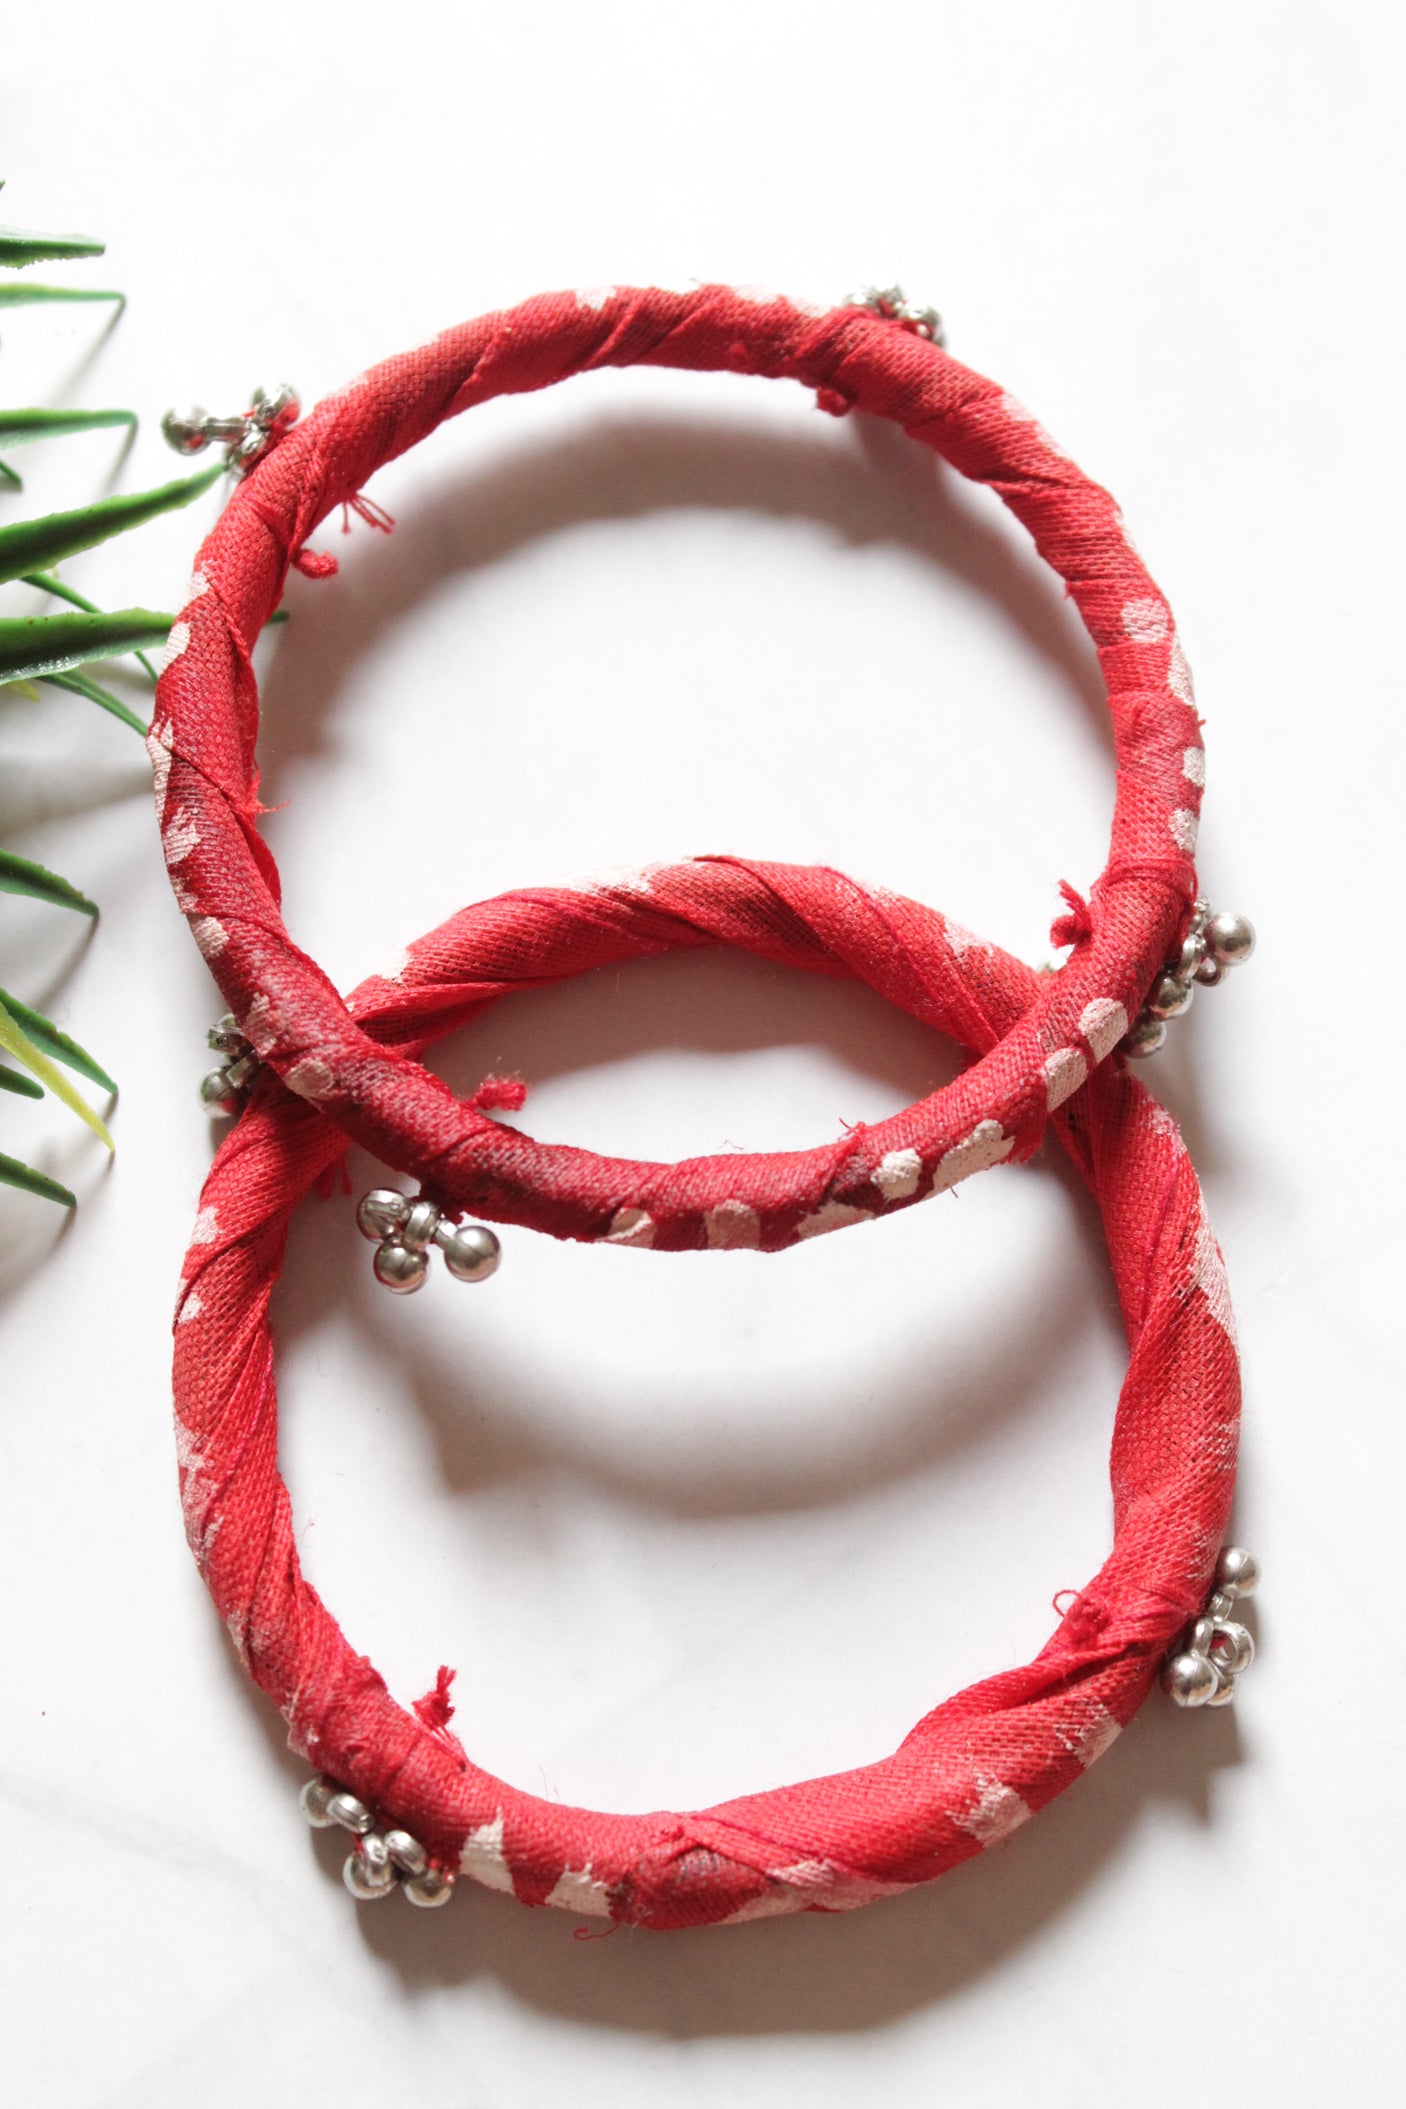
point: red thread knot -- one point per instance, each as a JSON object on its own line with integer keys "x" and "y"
{"x": 436, "y": 1709}
{"x": 507, "y": 1094}
{"x": 1075, "y": 928}
{"x": 315, "y": 563}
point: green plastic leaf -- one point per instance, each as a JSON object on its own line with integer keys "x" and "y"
{"x": 19, "y": 427}
{"x": 28, "y": 296}
{"x": 37, "y": 645}
{"x": 45, "y": 1034}
{"x": 80, "y": 685}
{"x": 23, "y": 1086}
{"x": 49, "y": 582}
{"x": 18, "y": 875}
{"x": 17, "y": 1044}
{"x": 19, "y": 246}
{"x": 33, "y": 545}
{"x": 13, "y": 1173}
{"x": 8, "y": 475}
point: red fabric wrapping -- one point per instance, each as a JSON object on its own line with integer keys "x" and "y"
{"x": 980, "y": 1762}
{"x": 203, "y": 739}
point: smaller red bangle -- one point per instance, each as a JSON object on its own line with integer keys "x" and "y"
{"x": 977, "y": 1765}
{"x": 203, "y": 741}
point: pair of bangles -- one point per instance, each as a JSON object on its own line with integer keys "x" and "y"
{"x": 311, "y": 1072}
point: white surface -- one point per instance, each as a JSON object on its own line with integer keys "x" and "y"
{"x": 694, "y": 1525}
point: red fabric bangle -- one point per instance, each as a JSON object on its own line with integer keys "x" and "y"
{"x": 202, "y": 746}
{"x": 977, "y": 1765}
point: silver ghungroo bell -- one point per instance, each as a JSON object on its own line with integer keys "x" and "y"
{"x": 379, "y": 1861}
{"x": 245, "y": 438}
{"x": 894, "y": 306}
{"x": 403, "y": 1228}
{"x": 219, "y": 1091}
{"x": 1213, "y": 944}
{"x": 1218, "y": 1649}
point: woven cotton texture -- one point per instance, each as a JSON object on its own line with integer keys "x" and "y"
{"x": 981, "y": 1762}
{"x": 203, "y": 740}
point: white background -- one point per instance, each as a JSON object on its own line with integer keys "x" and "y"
{"x": 695, "y": 1525}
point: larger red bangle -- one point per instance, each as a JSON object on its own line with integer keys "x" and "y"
{"x": 203, "y": 743}
{"x": 977, "y": 1765}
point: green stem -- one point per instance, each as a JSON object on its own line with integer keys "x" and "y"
{"x": 26, "y": 296}
{"x": 80, "y": 685}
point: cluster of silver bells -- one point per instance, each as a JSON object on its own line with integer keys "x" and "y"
{"x": 892, "y": 303}
{"x": 1218, "y": 1648}
{"x": 380, "y": 1861}
{"x": 219, "y": 1091}
{"x": 1214, "y": 943}
{"x": 405, "y": 1226}
{"x": 244, "y": 438}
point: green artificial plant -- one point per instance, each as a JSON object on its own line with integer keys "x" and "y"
{"x": 50, "y": 649}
